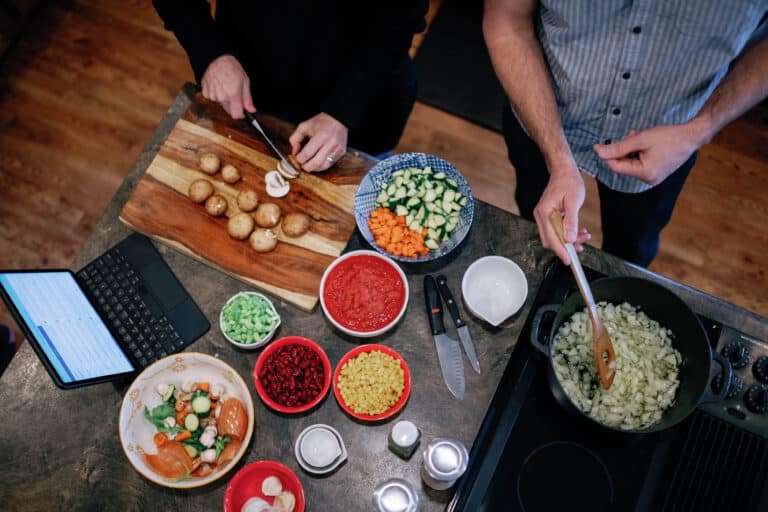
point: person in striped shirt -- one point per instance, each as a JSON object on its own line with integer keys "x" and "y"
{"x": 625, "y": 91}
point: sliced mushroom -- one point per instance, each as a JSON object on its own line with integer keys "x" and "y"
{"x": 286, "y": 170}
{"x": 276, "y": 184}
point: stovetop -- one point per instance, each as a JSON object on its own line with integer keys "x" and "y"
{"x": 533, "y": 455}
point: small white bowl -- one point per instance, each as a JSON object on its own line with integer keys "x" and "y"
{"x": 494, "y": 288}
{"x": 364, "y": 334}
{"x": 320, "y": 449}
{"x": 263, "y": 341}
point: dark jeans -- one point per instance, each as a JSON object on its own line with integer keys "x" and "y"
{"x": 631, "y": 223}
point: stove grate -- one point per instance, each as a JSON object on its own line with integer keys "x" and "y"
{"x": 719, "y": 467}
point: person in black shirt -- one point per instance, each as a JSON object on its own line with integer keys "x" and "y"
{"x": 338, "y": 68}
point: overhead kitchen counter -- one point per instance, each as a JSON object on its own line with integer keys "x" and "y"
{"x": 61, "y": 449}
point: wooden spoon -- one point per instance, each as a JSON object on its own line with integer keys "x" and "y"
{"x": 605, "y": 358}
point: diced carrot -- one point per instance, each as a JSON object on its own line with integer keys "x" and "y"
{"x": 391, "y": 232}
{"x": 205, "y": 386}
{"x": 160, "y": 439}
{"x": 184, "y": 434}
{"x": 180, "y": 417}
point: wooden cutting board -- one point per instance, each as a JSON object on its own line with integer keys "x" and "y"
{"x": 159, "y": 206}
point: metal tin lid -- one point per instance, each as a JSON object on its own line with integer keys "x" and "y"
{"x": 395, "y": 495}
{"x": 445, "y": 459}
{"x": 405, "y": 433}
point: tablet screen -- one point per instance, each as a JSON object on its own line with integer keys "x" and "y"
{"x": 64, "y": 325}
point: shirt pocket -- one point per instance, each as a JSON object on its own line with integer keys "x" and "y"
{"x": 729, "y": 19}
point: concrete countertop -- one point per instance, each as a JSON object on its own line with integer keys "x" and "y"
{"x": 61, "y": 449}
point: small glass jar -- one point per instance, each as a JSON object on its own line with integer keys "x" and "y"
{"x": 404, "y": 439}
{"x": 395, "y": 495}
{"x": 445, "y": 460}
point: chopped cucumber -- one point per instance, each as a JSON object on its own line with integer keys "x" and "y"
{"x": 431, "y": 244}
{"x": 191, "y": 421}
{"x": 401, "y": 210}
{"x": 201, "y": 404}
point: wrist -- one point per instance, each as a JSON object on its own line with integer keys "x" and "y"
{"x": 702, "y": 128}
{"x": 561, "y": 163}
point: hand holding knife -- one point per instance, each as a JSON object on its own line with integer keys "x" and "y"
{"x": 461, "y": 326}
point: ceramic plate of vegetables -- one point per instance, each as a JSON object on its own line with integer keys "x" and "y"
{"x": 186, "y": 420}
{"x": 414, "y": 207}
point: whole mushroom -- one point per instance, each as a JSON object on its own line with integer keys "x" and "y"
{"x": 267, "y": 215}
{"x": 216, "y": 205}
{"x": 200, "y": 190}
{"x": 209, "y": 163}
{"x": 240, "y": 226}
{"x": 263, "y": 240}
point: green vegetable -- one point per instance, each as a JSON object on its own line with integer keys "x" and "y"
{"x": 220, "y": 444}
{"x": 425, "y": 200}
{"x": 249, "y": 318}
{"x": 191, "y": 421}
{"x": 201, "y": 404}
{"x": 158, "y": 415}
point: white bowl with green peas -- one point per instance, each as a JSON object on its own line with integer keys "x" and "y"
{"x": 248, "y": 320}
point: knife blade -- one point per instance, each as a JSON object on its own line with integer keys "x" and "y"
{"x": 255, "y": 122}
{"x": 448, "y": 349}
{"x": 461, "y": 325}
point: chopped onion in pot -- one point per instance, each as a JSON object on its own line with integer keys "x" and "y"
{"x": 647, "y": 367}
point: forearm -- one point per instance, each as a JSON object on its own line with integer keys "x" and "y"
{"x": 519, "y": 63}
{"x": 743, "y": 87}
{"x": 193, "y": 25}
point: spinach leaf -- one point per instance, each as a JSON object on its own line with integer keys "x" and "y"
{"x": 157, "y": 418}
{"x": 220, "y": 444}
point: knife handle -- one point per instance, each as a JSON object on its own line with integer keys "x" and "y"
{"x": 453, "y": 309}
{"x": 434, "y": 306}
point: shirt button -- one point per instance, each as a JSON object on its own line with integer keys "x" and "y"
{"x": 606, "y": 142}
{"x": 637, "y": 30}
{"x": 626, "y": 76}
{"x": 616, "y": 111}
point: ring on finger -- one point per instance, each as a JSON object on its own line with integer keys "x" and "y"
{"x": 330, "y": 159}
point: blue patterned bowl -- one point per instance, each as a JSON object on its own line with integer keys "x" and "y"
{"x": 381, "y": 173}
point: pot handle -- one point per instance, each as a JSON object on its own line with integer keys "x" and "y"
{"x": 536, "y": 326}
{"x": 710, "y": 396}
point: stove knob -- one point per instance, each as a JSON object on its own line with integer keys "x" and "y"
{"x": 760, "y": 369}
{"x": 756, "y": 399}
{"x": 737, "y": 353}
{"x": 734, "y": 390}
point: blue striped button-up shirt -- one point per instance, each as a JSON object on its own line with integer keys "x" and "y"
{"x": 628, "y": 65}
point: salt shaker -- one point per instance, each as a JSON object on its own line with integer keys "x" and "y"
{"x": 395, "y": 495}
{"x": 445, "y": 460}
{"x": 404, "y": 438}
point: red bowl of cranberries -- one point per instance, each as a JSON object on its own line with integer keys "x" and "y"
{"x": 292, "y": 375}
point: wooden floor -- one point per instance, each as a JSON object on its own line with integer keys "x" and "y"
{"x": 85, "y": 86}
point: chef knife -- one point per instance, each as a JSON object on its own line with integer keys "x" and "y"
{"x": 448, "y": 349}
{"x": 286, "y": 163}
{"x": 461, "y": 326}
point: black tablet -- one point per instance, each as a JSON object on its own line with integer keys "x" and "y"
{"x": 63, "y": 327}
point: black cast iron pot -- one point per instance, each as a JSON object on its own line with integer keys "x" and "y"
{"x": 662, "y": 305}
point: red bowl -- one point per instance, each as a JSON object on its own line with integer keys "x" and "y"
{"x": 392, "y": 410}
{"x": 271, "y": 349}
{"x": 246, "y": 484}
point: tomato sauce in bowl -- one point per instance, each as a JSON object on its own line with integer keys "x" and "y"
{"x": 364, "y": 294}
